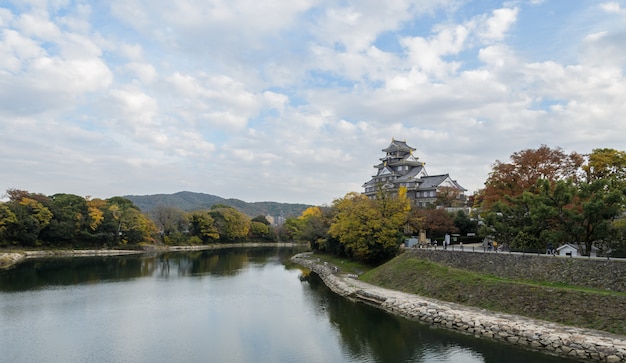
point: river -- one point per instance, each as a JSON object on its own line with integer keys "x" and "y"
{"x": 231, "y": 305}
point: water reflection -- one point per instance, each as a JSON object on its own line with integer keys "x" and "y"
{"x": 370, "y": 333}
{"x": 241, "y": 305}
{"x": 62, "y": 271}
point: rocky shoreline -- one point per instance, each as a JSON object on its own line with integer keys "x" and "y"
{"x": 538, "y": 335}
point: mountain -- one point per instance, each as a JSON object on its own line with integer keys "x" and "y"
{"x": 190, "y": 201}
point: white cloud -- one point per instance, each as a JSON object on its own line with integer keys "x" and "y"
{"x": 611, "y": 7}
{"x": 294, "y": 101}
{"x": 143, "y": 72}
{"x": 498, "y": 24}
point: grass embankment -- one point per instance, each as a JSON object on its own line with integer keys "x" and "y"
{"x": 570, "y": 305}
{"x": 345, "y": 265}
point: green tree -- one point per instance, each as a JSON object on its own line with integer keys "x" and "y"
{"x": 261, "y": 219}
{"x": 202, "y": 225}
{"x": 7, "y": 221}
{"x": 70, "y": 219}
{"x": 597, "y": 207}
{"x": 231, "y": 224}
{"x": 464, "y": 224}
{"x": 259, "y": 230}
{"x": 313, "y": 225}
{"x": 32, "y": 217}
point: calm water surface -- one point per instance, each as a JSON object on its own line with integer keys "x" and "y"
{"x": 235, "y": 305}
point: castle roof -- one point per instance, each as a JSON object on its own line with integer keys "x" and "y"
{"x": 397, "y": 145}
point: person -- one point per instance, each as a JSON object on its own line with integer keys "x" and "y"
{"x": 550, "y": 249}
{"x": 495, "y": 246}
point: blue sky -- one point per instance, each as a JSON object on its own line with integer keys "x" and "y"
{"x": 293, "y": 101}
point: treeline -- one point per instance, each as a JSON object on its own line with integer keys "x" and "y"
{"x": 541, "y": 196}
{"x": 66, "y": 220}
{"x": 220, "y": 223}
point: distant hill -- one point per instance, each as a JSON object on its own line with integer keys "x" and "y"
{"x": 190, "y": 201}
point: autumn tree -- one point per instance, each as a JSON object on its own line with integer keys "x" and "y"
{"x": 563, "y": 204}
{"x": 436, "y": 222}
{"x": 370, "y": 229}
{"x": 127, "y": 223}
{"x": 32, "y": 217}
{"x": 609, "y": 164}
{"x": 95, "y": 208}
{"x": 523, "y": 171}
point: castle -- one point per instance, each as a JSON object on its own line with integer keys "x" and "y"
{"x": 400, "y": 168}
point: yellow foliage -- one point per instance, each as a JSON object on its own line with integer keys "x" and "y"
{"x": 311, "y": 212}
{"x": 96, "y": 212}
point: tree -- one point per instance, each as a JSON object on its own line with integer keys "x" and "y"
{"x": 596, "y": 208}
{"x": 616, "y": 243}
{"x": 7, "y": 220}
{"x": 436, "y": 222}
{"x": 70, "y": 218}
{"x": 464, "y": 224}
{"x": 525, "y": 169}
{"x": 563, "y": 205}
{"x": 261, "y": 219}
{"x": 169, "y": 220}
{"x": 127, "y": 223}
{"x": 32, "y": 217}
{"x": 95, "y": 208}
{"x": 370, "y": 230}
{"x": 259, "y": 230}
{"x": 313, "y": 225}
{"x": 231, "y": 224}
{"x": 202, "y": 225}
{"x": 606, "y": 164}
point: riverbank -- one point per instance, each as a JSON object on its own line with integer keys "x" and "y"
{"x": 534, "y": 334}
{"x": 11, "y": 258}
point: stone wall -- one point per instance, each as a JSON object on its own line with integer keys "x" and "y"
{"x": 547, "y": 337}
{"x": 594, "y": 273}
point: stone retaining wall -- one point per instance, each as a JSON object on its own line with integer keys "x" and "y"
{"x": 547, "y": 337}
{"x": 595, "y": 273}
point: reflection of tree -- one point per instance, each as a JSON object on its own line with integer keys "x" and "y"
{"x": 69, "y": 271}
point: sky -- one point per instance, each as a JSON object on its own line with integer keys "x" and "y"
{"x": 293, "y": 101}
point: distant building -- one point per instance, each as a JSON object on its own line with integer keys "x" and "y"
{"x": 569, "y": 249}
{"x": 400, "y": 168}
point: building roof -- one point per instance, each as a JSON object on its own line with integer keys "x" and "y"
{"x": 397, "y": 145}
